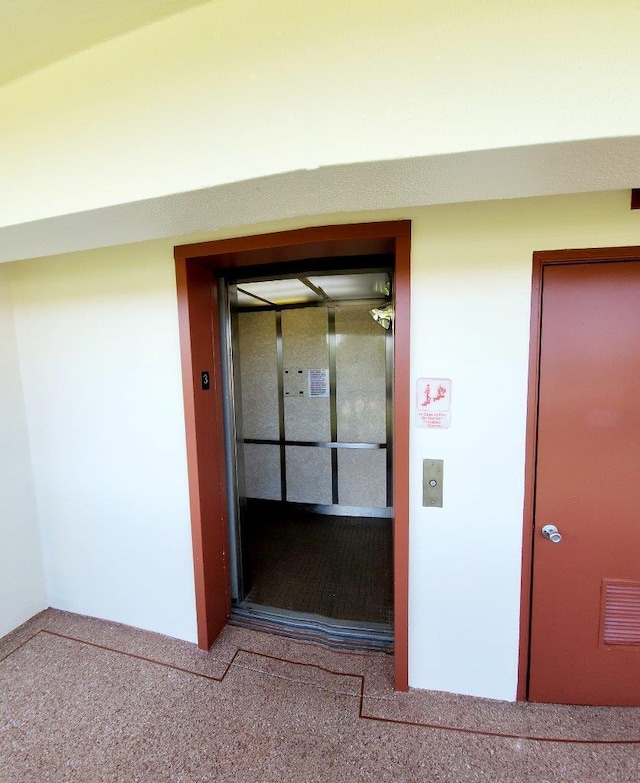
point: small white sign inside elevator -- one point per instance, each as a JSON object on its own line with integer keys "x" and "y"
{"x": 318, "y": 383}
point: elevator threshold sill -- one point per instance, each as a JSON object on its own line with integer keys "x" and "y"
{"x": 336, "y": 634}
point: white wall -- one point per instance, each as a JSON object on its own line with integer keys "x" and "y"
{"x": 246, "y": 92}
{"x": 98, "y": 343}
{"x": 97, "y": 336}
{"x": 22, "y": 591}
{"x": 235, "y": 90}
{"x": 471, "y": 283}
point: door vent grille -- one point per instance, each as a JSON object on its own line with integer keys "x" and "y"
{"x": 620, "y": 612}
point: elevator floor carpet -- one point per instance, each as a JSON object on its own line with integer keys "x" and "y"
{"x": 337, "y": 567}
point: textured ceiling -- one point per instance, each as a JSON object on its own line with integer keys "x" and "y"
{"x": 36, "y": 33}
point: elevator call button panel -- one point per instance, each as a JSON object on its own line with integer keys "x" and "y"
{"x": 432, "y": 474}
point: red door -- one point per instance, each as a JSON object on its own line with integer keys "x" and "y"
{"x": 585, "y": 622}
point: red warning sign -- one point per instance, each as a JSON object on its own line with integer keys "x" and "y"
{"x": 433, "y": 403}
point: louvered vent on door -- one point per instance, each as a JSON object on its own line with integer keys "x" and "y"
{"x": 620, "y": 612}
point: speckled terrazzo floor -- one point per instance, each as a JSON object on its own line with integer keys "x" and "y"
{"x": 87, "y": 700}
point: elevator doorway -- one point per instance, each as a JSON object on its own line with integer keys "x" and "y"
{"x": 309, "y": 430}
{"x": 198, "y": 269}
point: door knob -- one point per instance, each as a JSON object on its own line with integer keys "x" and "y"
{"x": 551, "y": 532}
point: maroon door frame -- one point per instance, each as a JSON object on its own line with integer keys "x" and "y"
{"x": 540, "y": 260}
{"x": 196, "y": 266}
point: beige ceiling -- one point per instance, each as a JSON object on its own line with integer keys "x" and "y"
{"x": 36, "y": 33}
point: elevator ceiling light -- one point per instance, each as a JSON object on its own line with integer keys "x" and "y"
{"x": 280, "y": 292}
{"x": 313, "y": 289}
{"x": 246, "y": 300}
{"x": 352, "y": 286}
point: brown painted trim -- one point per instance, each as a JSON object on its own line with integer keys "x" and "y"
{"x": 580, "y": 256}
{"x": 402, "y": 426}
{"x": 349, "y": 238}
{"x": 184, "y": 322}
{"x": 529, "y": 481}
{"x": 635, "y": 198}
{"x": 290, "y": 246}
{"x": 541, "y": 259}
{"x": 361, "y": 695}
{"x": 199, "y": 350}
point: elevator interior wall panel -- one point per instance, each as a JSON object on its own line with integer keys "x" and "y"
{"x": 262, "y": 471}
{"x": 308, "y": 475}
{"x": 361, "y": 395}
{"x": 304, "y": 347}
{"x": 362, "y": 477}
{"x": 258, "y": 375}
